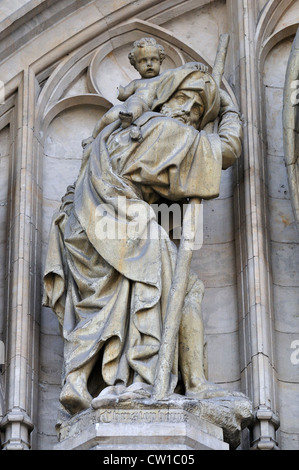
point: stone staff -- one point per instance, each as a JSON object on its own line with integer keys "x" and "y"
{"x": 180, "y": 279}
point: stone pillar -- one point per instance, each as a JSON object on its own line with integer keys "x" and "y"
{"x": 22, "y": 285}
{"x": 252, "y": 245}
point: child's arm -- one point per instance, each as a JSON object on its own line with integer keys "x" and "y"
{"x": 109, "y": 117}
{"x": 124, "y": 92}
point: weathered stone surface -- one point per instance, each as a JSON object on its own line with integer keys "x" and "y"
{"x": 46, "y": 51}
{"x": 179, "y": 423}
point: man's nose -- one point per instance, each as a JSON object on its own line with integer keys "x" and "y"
{"x": 188, "y": 105}
{"x": 149, "y": 62}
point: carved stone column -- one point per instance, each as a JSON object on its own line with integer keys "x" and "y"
{"x": 254, "y": 275}
{"x": 22, "y": 329}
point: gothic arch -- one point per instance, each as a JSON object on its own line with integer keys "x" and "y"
{"x": 275, "y": 31}
{"x": 276, "y": 26}
{"x": 272, "y": 12}
{"x": 89, "y": 57}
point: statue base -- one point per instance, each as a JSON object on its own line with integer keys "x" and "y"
{"x": 178, "y": 424}
{"x": 135, "y": 429}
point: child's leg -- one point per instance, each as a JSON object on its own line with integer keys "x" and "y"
{"x": 132, "y": 109}
{"x": 111, "y": 116}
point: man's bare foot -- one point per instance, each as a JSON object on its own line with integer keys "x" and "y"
{"x": 108, "y": 396}
{"x": 137, "y": 390}
{"x": 75, "y": 396}
{"x": 119, "y": 393}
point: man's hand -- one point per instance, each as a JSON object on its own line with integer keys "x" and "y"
{"x": 226, "y": 103}
{"x": 196, "y": 66}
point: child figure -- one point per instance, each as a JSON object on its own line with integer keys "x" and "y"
{"x": 138, "y": 96}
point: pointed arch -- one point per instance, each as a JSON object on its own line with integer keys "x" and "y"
{"x": 266, "y": 35}
{"x": 89, "y": 56}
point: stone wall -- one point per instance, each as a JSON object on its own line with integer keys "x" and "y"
{"x": 284, "y": 245}
{"x": 61, "y": 65}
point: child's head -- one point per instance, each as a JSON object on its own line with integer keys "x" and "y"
{"x": 147, "y": 57}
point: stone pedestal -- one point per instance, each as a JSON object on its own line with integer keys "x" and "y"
{"x": 135, "y": 429}
{"x": 179, "y": 424}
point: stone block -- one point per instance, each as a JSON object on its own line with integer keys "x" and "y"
{"x": 276, "y": 64}
{"x": 285, "y": 261}
{"x": 55, "y": 181}
{"x": 218, "y": 212}
{"x": 286, "y": 301}
{"x": 278, "y": 185}
{"x": 222, "y": 353}
{"x": 215, "y": 264}
{"x": 289, "y": 441}
{"x": 283, "y": 226}
{"x": 141, "y": 430}
{"x": 179, "y": 423}
{"x": 289, "y": 399}
{"x": 220, "y": 310}
{"x": 274, "y": 104}
{"x": 51, "y": 358}
{"x": 68, "y": 129}
{"x": 287, "y": 345}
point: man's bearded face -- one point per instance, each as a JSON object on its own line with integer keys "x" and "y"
{"x": 186, "y": 106}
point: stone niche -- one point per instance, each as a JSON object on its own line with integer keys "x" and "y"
{"x": 73, "y": 98}
{"x": 53, "y": 60}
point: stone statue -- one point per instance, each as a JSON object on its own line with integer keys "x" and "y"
{"x": 108, "y": 283}
{"x": 139, "y": 95}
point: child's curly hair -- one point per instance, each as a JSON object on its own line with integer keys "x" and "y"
{"x": 143, "y": 42}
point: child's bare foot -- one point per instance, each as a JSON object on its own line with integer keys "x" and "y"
{"x": 126, "y": 118}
